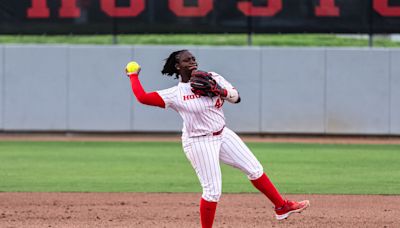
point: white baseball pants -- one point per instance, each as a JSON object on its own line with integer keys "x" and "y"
{"x": 205, "y": 154}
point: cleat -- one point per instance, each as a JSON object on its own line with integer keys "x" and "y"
{"x": 291, "y": 207}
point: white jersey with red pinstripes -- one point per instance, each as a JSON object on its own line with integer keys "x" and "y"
{"x": 201, "y": 115}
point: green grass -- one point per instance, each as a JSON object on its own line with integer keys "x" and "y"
{"x": 316, "y": 40}
{"x": 163, "y": 167}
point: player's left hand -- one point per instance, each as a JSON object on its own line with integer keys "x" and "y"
{"x": 203, "y": 84}
{"x": 218, "y": 90}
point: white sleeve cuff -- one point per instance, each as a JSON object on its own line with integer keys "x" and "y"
{"x": 232, "y": 95}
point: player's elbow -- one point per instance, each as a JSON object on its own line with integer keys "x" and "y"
{"x": 142, "y": 100}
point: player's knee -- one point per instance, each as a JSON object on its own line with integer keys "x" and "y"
{"x": 212, "y": 196}
{"x": 256, "y": 173}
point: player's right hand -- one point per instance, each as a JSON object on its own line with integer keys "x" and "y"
{"x": 132, "y": 68}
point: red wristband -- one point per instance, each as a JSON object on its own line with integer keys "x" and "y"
{"x": 133, "y": 74}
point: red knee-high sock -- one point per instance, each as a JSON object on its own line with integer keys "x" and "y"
{"x": 207, "y": 213}
{"x": 264, "y": 185}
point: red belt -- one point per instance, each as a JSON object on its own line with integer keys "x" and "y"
{"x": 218, "y": 132}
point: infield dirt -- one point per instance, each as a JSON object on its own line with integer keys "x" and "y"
{"x": 181, "y": 210}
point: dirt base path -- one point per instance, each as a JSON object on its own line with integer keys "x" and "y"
{"x": 181, "y": 210}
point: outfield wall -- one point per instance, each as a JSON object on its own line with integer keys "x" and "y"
{"x": 283, "y": 90}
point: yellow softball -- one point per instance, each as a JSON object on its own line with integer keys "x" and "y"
{"x": 132, "y": 67}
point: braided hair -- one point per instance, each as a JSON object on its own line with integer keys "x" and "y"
{"x": 169, "y": 67}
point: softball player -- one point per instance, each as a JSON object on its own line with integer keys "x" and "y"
{"x": 205, "y": 138}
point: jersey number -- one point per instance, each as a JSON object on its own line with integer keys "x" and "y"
{"x": 219, "y": 103}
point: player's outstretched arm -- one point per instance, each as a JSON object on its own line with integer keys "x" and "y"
{"x": 152, "y": 98}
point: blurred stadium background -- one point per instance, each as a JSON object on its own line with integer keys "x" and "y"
{"x": 322, "y": 89}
